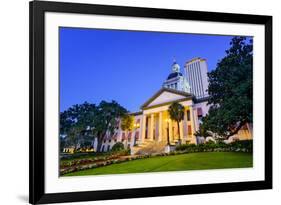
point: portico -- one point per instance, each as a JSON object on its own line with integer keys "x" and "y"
{"x": 156, "y": 123}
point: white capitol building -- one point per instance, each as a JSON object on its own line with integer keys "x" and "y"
{"x": 153, "y": 127}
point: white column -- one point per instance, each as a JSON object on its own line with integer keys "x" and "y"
{"x": 160, "y": 127}
{"x": 143, "y": 130}
{"x": 196, "y": 121}
{"x": 171, "y": 131}
{"x": 181, "y": 130}
{"x": 151, "y": 127}
{"x": 185, "y": 133}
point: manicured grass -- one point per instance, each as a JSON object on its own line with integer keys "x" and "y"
{"x": 192, "y": 161}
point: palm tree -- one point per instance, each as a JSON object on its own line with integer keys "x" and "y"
{"x": 176, "y": 112}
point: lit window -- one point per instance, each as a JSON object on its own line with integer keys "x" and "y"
{"x": 189, "y": 131}
{"x": 199, "y": 112}
{"x": 188, "y": 115}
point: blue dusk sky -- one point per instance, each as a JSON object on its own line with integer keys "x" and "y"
{"x": 126, "y": 66}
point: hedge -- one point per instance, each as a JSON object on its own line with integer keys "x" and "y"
{"x": 237, "y": 146}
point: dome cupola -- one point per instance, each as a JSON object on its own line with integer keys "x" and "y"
{"x": 175, "y": 67}
{"x": 176, "y": 80}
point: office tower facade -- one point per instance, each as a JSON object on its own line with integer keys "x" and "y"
{"x": 196, "y": 73}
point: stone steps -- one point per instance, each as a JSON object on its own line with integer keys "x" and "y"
{"x": 149, "y": 147}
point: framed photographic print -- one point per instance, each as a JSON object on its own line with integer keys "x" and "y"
{"x": 140, "y": 102}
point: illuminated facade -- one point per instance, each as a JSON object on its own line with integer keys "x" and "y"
{"x": 153, "y": 128}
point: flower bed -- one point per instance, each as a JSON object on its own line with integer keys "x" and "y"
{"x": 100, "y": 163}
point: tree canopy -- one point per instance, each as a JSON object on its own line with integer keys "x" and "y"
{"x": 231, "y": 91}
{"x": 127, "y": 122}
{"x": 75, "y": 123}
{"x": 87, "y": 121}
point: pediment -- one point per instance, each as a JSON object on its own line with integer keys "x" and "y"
{"x": 166, "y": 95}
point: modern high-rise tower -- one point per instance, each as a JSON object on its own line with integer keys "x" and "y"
{"x": 196, "y": 73}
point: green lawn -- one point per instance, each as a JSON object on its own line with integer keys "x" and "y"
{"x": 192, "y": 161}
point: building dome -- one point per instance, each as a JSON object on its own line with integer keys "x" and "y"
{"x": 174, "y": 75}
{"x": 175, "y": 67}
{"x": 176, "y": 80}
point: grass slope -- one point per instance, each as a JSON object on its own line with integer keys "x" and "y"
{"x": 192, "y": 161}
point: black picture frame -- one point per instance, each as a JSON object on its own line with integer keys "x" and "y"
{"x": 37, "y": 10}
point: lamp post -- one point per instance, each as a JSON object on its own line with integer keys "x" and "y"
{"x": 168, "y": 137}
{"x": 136, "y": 126}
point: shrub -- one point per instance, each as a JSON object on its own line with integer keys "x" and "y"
{"x": 185, "y": 147}
{"x": 246, "y": 145}
{"x": 118, "y": 147}
{"x": 123, "y": 152}
{"x": 237, "y": 146}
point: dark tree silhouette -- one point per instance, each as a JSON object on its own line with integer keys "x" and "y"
{"x": 231, "y": 91}
{"x": 88, "y": 121}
